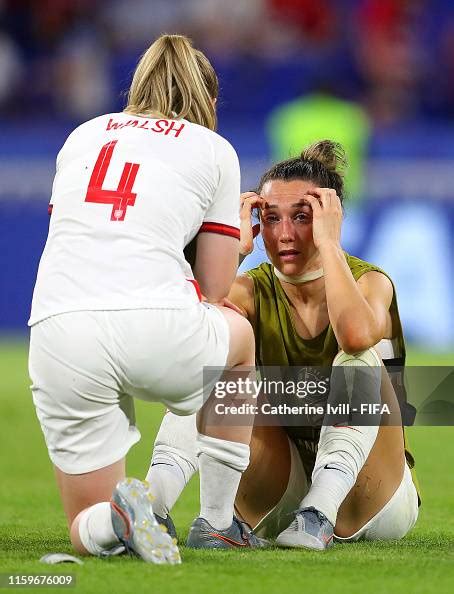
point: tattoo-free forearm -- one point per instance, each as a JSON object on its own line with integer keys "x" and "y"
{"x": 353, "y": 320}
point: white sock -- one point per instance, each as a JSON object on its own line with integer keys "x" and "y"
{"x": 174, "y": 461}
{"x": 95, "y": 529}
{"x": 343, "y": 448}
{"x": 342, "y": 452}
{"x": 216, "y": 500}
{"x": 167, "y": 479}
{"x": 221, "y": 464}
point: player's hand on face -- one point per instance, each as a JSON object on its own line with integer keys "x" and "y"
{"x": 326, "y": 216}
{"x": 248, "y": 201}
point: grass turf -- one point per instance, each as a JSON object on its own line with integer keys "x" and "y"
{"x": 32, "y": 521}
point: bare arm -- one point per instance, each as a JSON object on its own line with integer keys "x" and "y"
{"x": 242, "y": 291}
{"x": 358, "y": 311}
{"x": 216, "y": 264}
{"x": 242, "y": 295}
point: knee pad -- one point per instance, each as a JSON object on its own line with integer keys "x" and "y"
{"x": 369, "y": 358}
{"x": 356, "y": 383}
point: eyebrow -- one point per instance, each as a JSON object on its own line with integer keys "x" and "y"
{"x": 302, "y": 202}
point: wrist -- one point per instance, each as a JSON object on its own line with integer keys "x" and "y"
{"x": 329, "y": 247}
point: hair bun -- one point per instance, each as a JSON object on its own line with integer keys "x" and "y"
{"x": 331, "y": 154}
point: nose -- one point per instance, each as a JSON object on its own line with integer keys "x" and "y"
{"x": 287, "y": 234}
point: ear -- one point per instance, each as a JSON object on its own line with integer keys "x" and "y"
{"x": 255, "y": 230}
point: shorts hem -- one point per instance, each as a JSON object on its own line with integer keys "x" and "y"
{"x": 98, "y": 465}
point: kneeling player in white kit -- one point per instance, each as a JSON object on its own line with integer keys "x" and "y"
{"x": 116, "y": 311}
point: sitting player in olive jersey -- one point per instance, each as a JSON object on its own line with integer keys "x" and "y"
{"x": 312, "y": 305}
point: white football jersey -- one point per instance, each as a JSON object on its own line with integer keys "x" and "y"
{"x": 128, "y": 195}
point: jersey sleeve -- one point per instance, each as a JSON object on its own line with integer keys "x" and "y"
{"x": 223, "y": 214}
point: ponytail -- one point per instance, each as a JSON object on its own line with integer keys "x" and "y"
{"x": 174, "y": 80}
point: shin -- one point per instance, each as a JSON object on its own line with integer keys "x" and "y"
{"x": 345, "y": 445}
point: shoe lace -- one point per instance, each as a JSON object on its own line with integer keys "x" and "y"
{"x": 296, "y": 512}
{"x": 246, "y": 531}
{"x": 318, "y": 513}
{"x": 320, "y": 516}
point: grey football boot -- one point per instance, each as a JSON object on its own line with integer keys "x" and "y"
{"x": 135, "y": 524}
{"x": 309, "y": 530}
{"x": 239, "y": 535}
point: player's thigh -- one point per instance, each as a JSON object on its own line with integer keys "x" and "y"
{"x": 241, "y": 339}
{"x": 83, "y": 490}
{"x": 88, "y": 423}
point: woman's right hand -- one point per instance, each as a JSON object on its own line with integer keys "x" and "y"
{"x": 248, "y": 201}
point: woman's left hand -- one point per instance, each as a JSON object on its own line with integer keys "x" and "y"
{"x": 326, "y": 216}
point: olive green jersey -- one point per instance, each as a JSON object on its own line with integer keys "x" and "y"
{"x": 278, "y": 343}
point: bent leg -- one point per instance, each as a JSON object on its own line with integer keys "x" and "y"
{"x": 395, "y": 519}
{"x": 274, "y": 483}
{"x": 120, "y": 517}
{"x": 174, "y": 460}
{"x": 382, "y": 473}
{"x": 223, "y": 446}
{"x": 346, "y": 439}
{"x": 265, "y": 481}
{"x": 220, "y": 449}
{"x": 86, "y": 498}
{"x": 358, "y": 466}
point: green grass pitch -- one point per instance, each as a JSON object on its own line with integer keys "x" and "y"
{"x": 32, "y": 521}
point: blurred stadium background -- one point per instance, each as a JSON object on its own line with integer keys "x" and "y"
{"x": 375, "y": 74}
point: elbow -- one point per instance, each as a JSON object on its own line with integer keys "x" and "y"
{"x": 356, "y": 342}
{"x": 357, "y": 333}
{"x": 215, "y": 296}
{"x": 354, "y": 347}
{"x": 246, "y": 247}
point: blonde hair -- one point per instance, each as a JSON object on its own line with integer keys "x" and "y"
{"x": 174, "y": 80}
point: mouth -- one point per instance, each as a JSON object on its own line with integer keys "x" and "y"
{"x": 288, "y": 255}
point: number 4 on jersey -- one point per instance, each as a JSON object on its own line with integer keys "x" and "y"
{"x": 120, "y": 198}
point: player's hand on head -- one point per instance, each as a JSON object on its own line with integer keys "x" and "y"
{"x": 326, "y": 216}
{"x": 248, "y": 201}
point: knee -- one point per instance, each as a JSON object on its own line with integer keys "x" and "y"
{"x": 358, "y": 377}
{"x": 74, "y": 535}
{"x": 368, "y": 357}
{"x": 242, "y": 341}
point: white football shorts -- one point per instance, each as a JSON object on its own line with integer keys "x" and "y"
{"x": 393, "y": 521}
{"x": 87, "y": 367}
